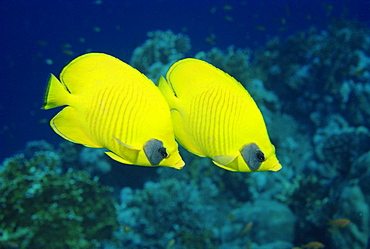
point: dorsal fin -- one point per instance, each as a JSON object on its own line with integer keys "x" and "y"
{"x": 91, "y": 69}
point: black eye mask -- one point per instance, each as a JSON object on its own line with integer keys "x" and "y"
{"x": 253, "y": 156}
{"x": 154, "y": 151}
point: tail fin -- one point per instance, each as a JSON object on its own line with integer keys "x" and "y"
{"x": 56, "y": 94}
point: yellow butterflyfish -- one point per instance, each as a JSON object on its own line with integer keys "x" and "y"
{"x": 113, "y": 106}
{"x": 214, "y": 116}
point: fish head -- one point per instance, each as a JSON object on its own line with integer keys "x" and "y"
{"x": 250, "y": 158}
{"x": 258, "y": 158}
{"x": 159, "y": 155}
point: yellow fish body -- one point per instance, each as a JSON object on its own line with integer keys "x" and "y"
{"x": 111, "y": 105}
{"x": 214, "y": 116}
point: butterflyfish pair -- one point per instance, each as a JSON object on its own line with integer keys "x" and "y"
{"x": 214, "y": 116}
{"x": 113, "y": 106}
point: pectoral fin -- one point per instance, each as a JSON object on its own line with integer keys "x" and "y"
{"x": 126, "y": 145}
{"x": 126, "y": 154}
{"x": 224, "y": 161}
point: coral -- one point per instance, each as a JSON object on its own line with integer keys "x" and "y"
{"x": 169, "y": 211}
{"x": 191, "y": 216}
{"x": 360, "y": 170}
{"x": 257, "y": 223}
{"x": 156, "y": 55}
{"x": 235, "y": 62}
{"x": 69, "y": 153}
{"x": 34, "y": 146}
{"x": 293, "y": 146}
{"x": 339, "y": 145}
{"x": 200, "y": 207}
{"x": 94, "y": 160}
{"x": 352, "y": 205}
{"x": 324, "y": 71}
{"x": 307, "y": 197}
{"x": 353, "y": 200}
{"x": 340, "y": 150}
{"x": 42, "y": 207}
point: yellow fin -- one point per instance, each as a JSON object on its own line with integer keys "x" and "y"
{"x": 67, "y": 124}
{"x": 126, "y": 145}
{"x": 224, "y": 159}
{"x": 168, "y": 93}
{"x": 130, "y": 153}
{"x": 227, "y": 162}
{"x": 223, "y": 166}
{"x": 117, "y": 158}
{"x": 91, "y": 69}
{"x": 56, "y": 94}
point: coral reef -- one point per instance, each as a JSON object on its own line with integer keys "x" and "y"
{"x": 341, "y": 148}
{"x": 156, "y": 55}
{"x": 306, "y": 88}
{"x": 352, "y": 204}
{"x": 94, "y": 160}
{"x": 167, "y": 211}
{"x": 320, "y": 72}
{"x": 203, "y": 206}
{"x": 234, "y": 61}
{"x": 43, "y": 207}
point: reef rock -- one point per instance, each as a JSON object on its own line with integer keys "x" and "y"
{"x": 352, "y": 205}
{"x": 272, "y": 221}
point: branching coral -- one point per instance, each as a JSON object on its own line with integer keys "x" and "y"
{"x": 41, "y": 207}
{"x": 156, "y": 55}
{"x": 234, "y": 61}
{"x": 339, "y": 145}
{"x": 166, "y": 211}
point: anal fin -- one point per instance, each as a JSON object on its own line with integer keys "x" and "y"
{"x": 67, "y": 124}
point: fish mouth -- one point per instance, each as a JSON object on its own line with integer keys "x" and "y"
{"x": 276, "y": 167}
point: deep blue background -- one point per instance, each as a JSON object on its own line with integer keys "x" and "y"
{"x": 33, "y": 31}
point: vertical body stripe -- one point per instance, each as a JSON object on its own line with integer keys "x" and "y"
{"x": 214, "y": 120}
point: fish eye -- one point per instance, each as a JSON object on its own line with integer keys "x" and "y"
{"x": 162, "y": 151}
{"x": 260, "y": 156}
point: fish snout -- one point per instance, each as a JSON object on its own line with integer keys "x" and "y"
{"x": 276, "y": 167}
